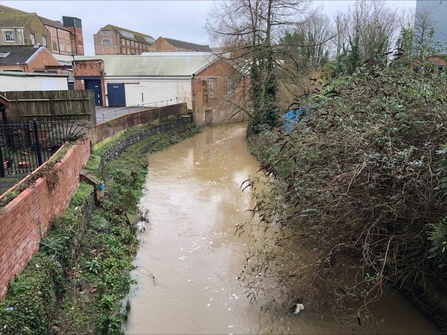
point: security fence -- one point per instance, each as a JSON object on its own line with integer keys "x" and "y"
{"x": 26, "y": 146}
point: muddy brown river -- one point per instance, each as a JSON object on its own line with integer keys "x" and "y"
{"x": 190, "y": 258}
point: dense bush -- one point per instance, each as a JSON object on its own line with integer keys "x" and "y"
{"x": 355, "y": 204}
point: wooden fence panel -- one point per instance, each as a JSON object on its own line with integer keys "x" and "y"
{"x": 56, "y": 105}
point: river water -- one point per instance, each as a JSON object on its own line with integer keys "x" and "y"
{"x": 190, "y": 258}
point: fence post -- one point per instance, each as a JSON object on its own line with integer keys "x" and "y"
{"x": 2, "y": 166}
{"x": 36, "y": 137}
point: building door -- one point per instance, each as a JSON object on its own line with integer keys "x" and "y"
{"x": 116, "y": 95}
{"x": 94, "y": 85}
{"x": 208, "y": 117}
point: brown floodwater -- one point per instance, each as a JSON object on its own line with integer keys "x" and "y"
{"x": 189, "y": 259}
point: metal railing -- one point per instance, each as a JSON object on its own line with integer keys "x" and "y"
{"x": 26, "y": 146}
{"x": 109, "y": 114}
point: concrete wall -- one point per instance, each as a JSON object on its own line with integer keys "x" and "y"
{"x": 26, "y": 219}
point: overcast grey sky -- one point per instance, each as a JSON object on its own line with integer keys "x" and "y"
{"x": 182, "y": 20}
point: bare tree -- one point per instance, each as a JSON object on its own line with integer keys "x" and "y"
{"x": 250, "y": 31}
{"x": 423, "y": 33}
{"x": 367, "y": 30}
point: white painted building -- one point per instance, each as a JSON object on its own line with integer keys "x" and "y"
{"x": 151, "y": 79}
{"x": 24, "y": 81}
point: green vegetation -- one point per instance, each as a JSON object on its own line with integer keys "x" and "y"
{"x": 81, "y": 274}
{"x": 357, "y": 199}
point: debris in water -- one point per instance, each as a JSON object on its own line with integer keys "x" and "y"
{"x": 299, "y": 307}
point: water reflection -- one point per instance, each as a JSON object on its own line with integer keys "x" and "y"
{"x": 193, "y": 201}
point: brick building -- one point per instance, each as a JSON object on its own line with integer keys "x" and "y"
{"x": 163, "y": 44}
{"x": 215, "y": 89}
{"x": 89, "y": 75}
{"x": 20, "y": 28}
{"x": 24, "y": 58}
{"x": 113, "y": 40}
{"x": 66, "y": 37}
{"x": 60, "y": 37}
{"x": 74, "y": 25}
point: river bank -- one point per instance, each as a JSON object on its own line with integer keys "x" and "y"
{"x": 192, "y": 261}
{"x": 77, "y": 281}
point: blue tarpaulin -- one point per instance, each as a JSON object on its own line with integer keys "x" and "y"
{"x": 293, "y": 116}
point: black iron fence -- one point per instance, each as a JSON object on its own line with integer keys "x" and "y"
{"x": 26, "y": 146}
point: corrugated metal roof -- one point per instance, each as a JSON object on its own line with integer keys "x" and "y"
{"x": 156, "y": 64}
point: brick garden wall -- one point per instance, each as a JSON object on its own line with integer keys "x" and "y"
{"x": 27, "y": 218}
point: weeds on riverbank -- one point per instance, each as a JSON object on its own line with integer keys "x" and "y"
{"x": 77, "y": 281}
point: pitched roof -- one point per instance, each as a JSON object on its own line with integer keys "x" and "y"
{"x": 17, "y": 54}
{"x": 16, "y": 20}
{"x": 187, "y": 45}
{"x": 6, "y": 9}
{"x": 130, "y": 34}
{"x": 154, "y": 64}
{"x": 52, "y": 23}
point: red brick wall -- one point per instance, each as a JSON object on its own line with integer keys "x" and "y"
{"x": 219, "y": 104}
{"x": 42, "y": 59}
{"x": 103, "y": 131}
{"x": 90, "y": 68}
{"x": 28, "y": 216}
{"x": 161, "y": 45}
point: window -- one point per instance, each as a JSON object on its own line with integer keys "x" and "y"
{"x": 205, "y": 91}
{"x": 9, "y": 36}
{"x": 127, "y": 34}
{"x": 105, "y": 32}
{"x": 44, "y": 41}
{"x": 106, "y": 42}
{"x": 230, "y": 88}
{"x": 32, "y": 38}
{"x": 212, "y": 87}
{"x": 54, "y": 46}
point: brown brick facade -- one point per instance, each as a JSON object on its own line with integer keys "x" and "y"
{"x": 27, "y": 218}
{"x": 214, "y": 92}
{"x": 38, "y": 63}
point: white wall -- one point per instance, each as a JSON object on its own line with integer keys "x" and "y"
{"x": 16, "y": 83}
{"x": 155, "y": 91}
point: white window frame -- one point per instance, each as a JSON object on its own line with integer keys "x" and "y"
{"x": 44, "y": 41}
{"x": 32, "y": 38}
{"x": 10, "y": 36}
